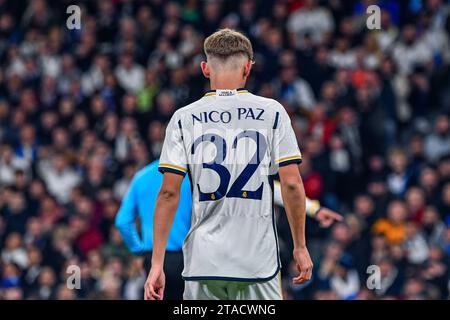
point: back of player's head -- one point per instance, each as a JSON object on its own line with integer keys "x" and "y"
{"x": 227, "y": 46}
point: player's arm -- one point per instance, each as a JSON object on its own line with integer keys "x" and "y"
{"x": 286, "y": 156}
{"x": 173, "y": 163}
{"x": 326, "y": 217}
{"x": 165, "y": 209}
{"x": 293, "y": 194}
{"x": 311, "y": 206}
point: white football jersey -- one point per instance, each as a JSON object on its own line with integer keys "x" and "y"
{"x": 230, "y": 143}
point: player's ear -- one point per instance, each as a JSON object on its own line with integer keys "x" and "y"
{"x": 205, "y": 69}
{"x": 247, "y": 68}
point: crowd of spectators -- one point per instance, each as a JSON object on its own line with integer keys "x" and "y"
{"x": 82, "y": 110}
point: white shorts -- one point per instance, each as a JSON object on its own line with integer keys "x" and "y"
{"x": 233, "y": 290}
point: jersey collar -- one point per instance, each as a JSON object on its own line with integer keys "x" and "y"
{"x": 226, "y": 92}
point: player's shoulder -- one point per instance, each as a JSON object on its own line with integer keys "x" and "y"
{"x": 178, "y": 114}
{"x": 268, "y": 103}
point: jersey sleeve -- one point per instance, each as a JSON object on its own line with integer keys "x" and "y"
{"x": 173, "y": 155}
{"x": 285, "y": 148}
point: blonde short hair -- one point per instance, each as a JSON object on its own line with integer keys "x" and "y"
{"x": 226, "y": 43}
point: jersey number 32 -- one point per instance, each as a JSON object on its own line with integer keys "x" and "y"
{"x": 237, "y": 187}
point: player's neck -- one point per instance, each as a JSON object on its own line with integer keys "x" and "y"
{"x": 225, "y": 82}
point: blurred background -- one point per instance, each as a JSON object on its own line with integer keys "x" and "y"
{"x": 82, "y": 110}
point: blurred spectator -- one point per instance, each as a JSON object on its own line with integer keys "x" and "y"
{"x": 345, "y": 281}
{"x": 437, "y": 144}
{"x": 59, "y": 178}
{"x": 129, "y": 74}
{"x": 10, "y": 164}
{"x": 310, "y": 20}
{"x": 393, "y": 227}
{"x": 411, "y": 50}
{"x": 14, "y": 252}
